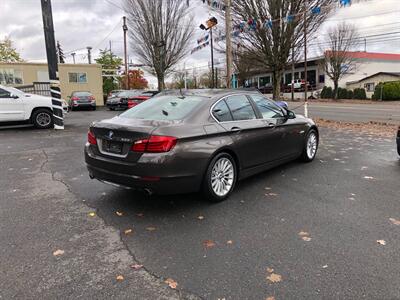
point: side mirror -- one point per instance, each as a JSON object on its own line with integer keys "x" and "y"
{"x": 290, "y": 114}
{"x": 14, "y": 96}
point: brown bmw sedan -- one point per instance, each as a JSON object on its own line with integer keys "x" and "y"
{"x": 197, "y": 140}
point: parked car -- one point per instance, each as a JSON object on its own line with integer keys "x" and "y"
{"x": 121, "y": 99}
{"x": 398, "y": 140}
{"x": 298, "y": 84}
{"x": 141, "y": 97}
{"x": 114, "y": 93}
{"x": 82, "y": 100}
{"x": 19, "y": 107}
{"x": 197, "y": 140}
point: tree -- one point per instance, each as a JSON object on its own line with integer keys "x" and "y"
{"x": 60, "y": 53}
{"x": 136, "y": 80}
{"x": 160, "y": 34}
{"x": 338, "y": 60}
{"x": 7, "y": 52}
{"x": 268, "y": 44}
{"x": 110, "y": 64}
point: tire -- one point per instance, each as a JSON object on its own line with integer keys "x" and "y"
{"x": 310, "y": 146}
{"x": 94, "y": 108}
{"x": 112, "y": 108}
{"x": 43, "y": 118}
{"x": 220, "y": 160}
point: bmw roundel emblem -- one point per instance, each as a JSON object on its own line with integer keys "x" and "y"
{"x": 110, "y": 134}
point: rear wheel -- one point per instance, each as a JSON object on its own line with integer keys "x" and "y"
{"x": 220, "y": 178}
{"x": 43, "y": 118}
{"x": 310, "y": 146}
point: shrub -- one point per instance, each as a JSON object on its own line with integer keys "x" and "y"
{"x": 342, "y": 93}
{"x": 350, "y": 94}
{"x": 359, "y": 93}
{"x": 327, "y": 93}
{"x": 390, "y": 91}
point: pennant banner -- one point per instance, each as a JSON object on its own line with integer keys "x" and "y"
{"x": 195, "y": 49}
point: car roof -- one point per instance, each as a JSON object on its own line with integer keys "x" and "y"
{"x": 208, "y": 93}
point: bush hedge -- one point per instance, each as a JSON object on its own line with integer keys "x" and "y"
{"x": 327, "y": 93}
{"x": 359, "y": 93}
{"x": 390, "y": 91}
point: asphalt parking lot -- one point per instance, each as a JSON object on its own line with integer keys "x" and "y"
{"x": 300, "y": 231}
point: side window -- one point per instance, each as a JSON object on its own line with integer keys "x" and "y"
{"x": 267, "y": 108}
{"x": 4, "y": 94}
{"x": 240, "y": 108}
{"x": 221, "y": 112}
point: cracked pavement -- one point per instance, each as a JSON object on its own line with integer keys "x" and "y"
{"x": 344, "y": 200}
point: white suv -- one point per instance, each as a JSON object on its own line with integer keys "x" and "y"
{"x": 17, "y": 106}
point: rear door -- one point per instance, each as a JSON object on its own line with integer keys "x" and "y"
{"x": 11, "y": 109}
{"x": 237, "y": 115}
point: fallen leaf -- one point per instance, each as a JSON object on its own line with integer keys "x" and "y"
{"x": 140, "y": 215}
{"x": 267, "y": 188}
{"x": 230, "y": 242}
{"x": 306, "y": 238}
{"x": 119, "y": 214}
{"x": 136, "y": 267}
{"x": 151, "y": 228}
{"x": 171, "y": 283}
{"x": 120, "y": 277}
{"x": 92, "y": 214}
{"x": 394, "y": 221}
{"x": 128, "y": 231}
{"x": 274, "y": 278}
{"x": 364, "y": 168}
{"x": 58, "y": 252}
{"x": 303, "y": 233}
{"x": 200, "y": 217}
{"x": 352, "y": 198}
{"x": 324, "y": 267}
{"x": 273, "y": 194}
{"x": 368, "y": 177}
{"x": 381, "y": 242}
{"x": 270, "y": 270}
{"x": 270, "y": 298}
{"x": 208, "y": 243}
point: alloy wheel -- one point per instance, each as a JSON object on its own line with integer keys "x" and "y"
{"x": 222, "y": 176}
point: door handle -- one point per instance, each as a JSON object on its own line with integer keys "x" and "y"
{"x": 270, "y": 125}
{"x": 236, "y": 129}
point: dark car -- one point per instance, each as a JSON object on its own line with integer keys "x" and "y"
{"x": 82, "y": 100}
{"x": 398, "y": 140}
{"x": 197, "y": 140}
{"x": 141, "y": 97}
{"x": 121, "y": 99}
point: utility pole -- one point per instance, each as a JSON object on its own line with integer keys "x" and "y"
{"x": 365, "y": 44}
{"x": 52, "y": 64}
{"x": 73, "y": 56}
{"x": 305, "y": 60}
{"x": 229, "y": 58}
{"x": 89, "y": 55}
{"x": 212, "y": 60}
{"x": 292, "y": 85}
{"x": 185, "y": 75}
{"x": 125, "y": 29}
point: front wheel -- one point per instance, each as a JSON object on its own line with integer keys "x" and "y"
{"x": 310, "y": 146}
{"x": 220, "y": 178}
{"x": 42, "y": 118}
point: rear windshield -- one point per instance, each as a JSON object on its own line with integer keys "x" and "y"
{"x": 82, "y": 94}
{"x": 128, "y": 93}
{"x": 164, "y": 108}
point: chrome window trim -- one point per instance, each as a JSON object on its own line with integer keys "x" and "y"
{"x": 223, "y": 98}
{"x": 100, "y": 147}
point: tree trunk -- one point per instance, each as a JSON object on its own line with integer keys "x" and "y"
{"x": 160, "y": 80}
{"x": 335, "y": 89}
{"x": 276, "y": 85}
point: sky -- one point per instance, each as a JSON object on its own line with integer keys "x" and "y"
{"x": 82, "y": 23}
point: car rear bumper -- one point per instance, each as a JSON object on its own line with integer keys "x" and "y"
{"x": 157, "y": 177}
{"x": 93, "y": 104}
{"x": 117, "y": 105}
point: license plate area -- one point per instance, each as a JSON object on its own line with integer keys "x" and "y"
{"x": 112, "y": 147}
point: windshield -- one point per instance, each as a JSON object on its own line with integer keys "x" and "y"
{"x": 14, "y": 90}
{"x": 81, "y": 94}
{"x": 128, "y": 93}
{"x": 164, "y": 108}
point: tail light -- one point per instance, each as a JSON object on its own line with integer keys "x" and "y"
{"x": 74, "y": 98}
{"x": 155, "y": 144}
{"x": 131, "y": 103}
{"x": 91, "y": 98}
{"x": 91, "y": 138}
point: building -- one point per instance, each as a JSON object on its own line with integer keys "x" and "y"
{"x": 73, "y": 77}
{"x": 369, "y": 83}
{"x": 366, "y": 64}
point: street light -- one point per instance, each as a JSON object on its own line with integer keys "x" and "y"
{"x": 210, "y": 23}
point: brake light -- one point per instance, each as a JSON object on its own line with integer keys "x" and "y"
{"x": 74, "y": 98}
{"x": 155, "y": 144}
{"x": 91, "y": 138}
{"x": 91, "y": 98}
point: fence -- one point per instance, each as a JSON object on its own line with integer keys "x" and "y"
{"x": 38, "y": 88}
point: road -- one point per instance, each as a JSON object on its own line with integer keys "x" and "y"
{"x": 352, "y": 112}
{"x": 316, "y": 225}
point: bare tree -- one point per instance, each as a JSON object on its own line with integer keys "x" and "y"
{"x": 160, "y": 34}
{"x": 269, "y": 44}
{"x": 338, "y": 60}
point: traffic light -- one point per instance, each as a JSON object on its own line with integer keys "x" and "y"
{"x": 210, "y": 23}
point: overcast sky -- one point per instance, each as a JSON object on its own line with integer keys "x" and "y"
{"x": 81, "y": 23}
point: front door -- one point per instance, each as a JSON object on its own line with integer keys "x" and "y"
{"x": 11, "y": 108}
